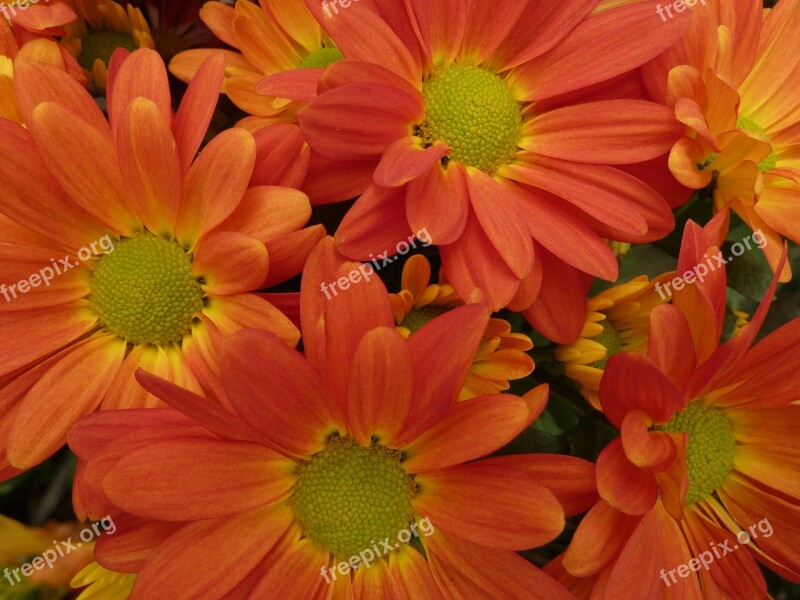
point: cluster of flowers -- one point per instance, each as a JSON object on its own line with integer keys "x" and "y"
{"x": 246, "y": 436}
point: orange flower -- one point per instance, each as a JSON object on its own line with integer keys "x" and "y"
{"x": 270, "y": 38}
{"x": 501, "y": 355}
{"x": 486, "y": 137}
{"x": 322, "y": 457}
{"x": 617, "y": 320}
{"x": 731, "y": 81}
{"x": 280, "y": 54}
{"x": 707, "y": 449}
{"x": 155, "y": 252}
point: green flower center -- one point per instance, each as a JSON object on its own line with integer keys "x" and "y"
{"x": 710, "y": 449}
{"x": 145, "y": 292}
{"x": 419, "y": 316}
{"x": 770, "y": 161}
{"x": 349, "y": 496}
{"x": 473, "y": 111}
{"x": 609, "y": 338}
{"x": 321, "y": 58}
{"x": 101, "y": 44}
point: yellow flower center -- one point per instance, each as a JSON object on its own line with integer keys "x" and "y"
{"x": 770, "y": 161}
{"x": 609, "y": 338}
{"x": 419, "y": 316}
{"x": 474, "y": 112}
{"x": 145, "y": 291}
{"x": 710, "y": 448}
{"x": 349, "y": 496}
{"x": 101, "y": 44}
{"x": 321, "y": 58}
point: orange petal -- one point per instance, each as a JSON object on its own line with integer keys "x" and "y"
{"x": 438, "y": 201}
{"x": 79, "y": 380}
{"x": 468, "y": 571}
{"x": 406, "y": 159}
{"x": 480, "y": 503}
{"x": 441, "y": 355}
{"x": 598, "y": 540}
{"x": 473, "y": 428}
{"x": 651, "y": 450}
{"x": 215, "y": 184}
{"x": 277, "y": 391}
{"x": 230, "y": 263}
{"x": 149, "y": 162}
{"x": 191, "y": 479}
{"x": 142, "y": 74}
{"x": 379, "y": 390}
{"x": 85, "y": 163}
{"x": 224, "y": 564}
{"x": 241, "y": 311}
{"x": 269, "y": 212}
{"x": 622, "y": 484}
{"x": 197, "y": 107}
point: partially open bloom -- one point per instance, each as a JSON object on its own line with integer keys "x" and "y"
{"x": 155, "y": 255}
{"x": 322, "y": 457}
{"x": 102, "y": 27}
{"x": 486, "y": 131}
{"x": 732, "y": 82}
{"x": 19, "y": 544}
{"x": 502, "y": 355}
{"x": 708, "y": 450}
{"x": 617, "y": 320}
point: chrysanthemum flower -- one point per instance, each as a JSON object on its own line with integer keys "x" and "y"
{"x": 502, "y": 355}
{"x": 269, "y": 38}
{"x": 102, "y": 27}
{"x": 39, "y": 50}
{"x": 617, "y": 320}
{"x": 326, "y": 456}
{"x": 731, "y": 81}
{"x": 39, "y": 18}
{"x": 274, "y": 40}
{"x": 155, "y": 254}
{"x": 102, "y": 584}
{"x": 708, "y": 449}
{"x": 487, "y": 136}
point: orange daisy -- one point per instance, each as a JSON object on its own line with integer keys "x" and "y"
{"x": 327, "y": 458}
{"x": 269, "y": 38}
{"x": 731, "y": 81}
{"x": 706, "y": 459}
{"x": 156, "y": 252}
{"x": 502, "y": 355}
{"x": 102, "y": 27}
{"x": 617, "y": 320}
{"x": 487, "y": 137}
{"x": 280, "y": 52}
